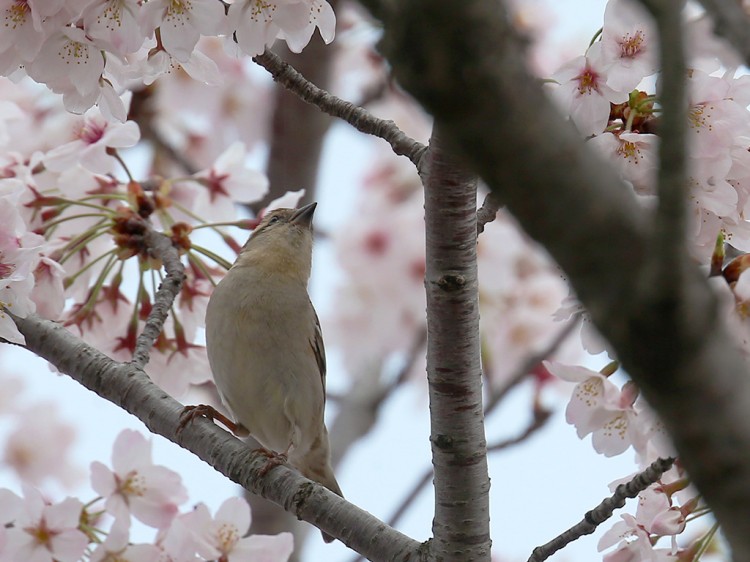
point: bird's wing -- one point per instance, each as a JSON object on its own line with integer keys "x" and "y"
{"x": 319, "y": 350}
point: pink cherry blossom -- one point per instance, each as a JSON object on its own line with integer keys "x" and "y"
{"x": 48, "y": 293}
{"x": 297, "y": 22}
{"x": 22, "y": 36}
{"x": 45, "y": 532}
{"x": 68, "y": 61}
{"x": 629, "y": 44}
{"x": 91, "y": 139}
{"x": 583, "y": 92}
{"x": 259, "y": 22}
{"x": 227, "y": 182}
{"x": 135, "y": 485}
{"x": 19, "y": 255}
{"x": 598, "y": 407}
{"x": 117, "y": 547}
{"x": 39, "y": 447}
{"x": 633, "y": 543}
{"x": 221, "y": 537}
{"x": 116, "y": 24}
{"x": 633, "y": 155}
{"x": 182, "y": 22}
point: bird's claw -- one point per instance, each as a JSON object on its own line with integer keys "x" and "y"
{"x": 274, "y": 459}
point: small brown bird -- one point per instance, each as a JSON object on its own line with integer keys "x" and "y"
{"x": 266, "y": 350}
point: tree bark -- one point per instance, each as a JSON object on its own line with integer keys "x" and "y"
{"x": 459, "y": 450}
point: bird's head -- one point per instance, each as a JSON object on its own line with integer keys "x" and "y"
{"x": 281, "y": 243}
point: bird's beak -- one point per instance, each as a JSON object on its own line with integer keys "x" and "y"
{"x": 304, "y": 215}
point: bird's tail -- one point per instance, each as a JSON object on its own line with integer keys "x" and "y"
{"x": 316, "y": 465}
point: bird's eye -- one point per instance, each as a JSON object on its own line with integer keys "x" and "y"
{"x": 273, "y": 220}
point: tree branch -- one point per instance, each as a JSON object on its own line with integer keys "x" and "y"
{"x": 160, "y": 246}
{"x": 604, "y": 510}
{"x": 488, "y": 211}
{"x": 298, "y": 128}
{"x": 667, "y": 260}
{"x": 459, "y": 456}
{"x": 359, "y": 118}
{"x": 732, "y": 23}
{"x": 499, "y": 120}
{"x": 127, "y": 386}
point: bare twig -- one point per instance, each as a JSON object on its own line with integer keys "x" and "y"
{"x": 541, "y": 417}
{"x": 161, "y": 246}
{"x": 528, "y": 365}
{"x": 359, "y": 118}
{"x": 488, "y": 211}
{"x": 604, "y": 510}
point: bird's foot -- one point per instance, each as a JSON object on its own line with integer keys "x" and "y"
{"x": 274, "y": 459}
{"x": 189, "y": 413}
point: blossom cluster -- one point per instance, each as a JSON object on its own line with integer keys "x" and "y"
{"x": 601, "y": 93}
{"x": 90, "y": 50}
{"x": 608, "y": 94}
{"x": 133, "y": 488}
{"x": 72, "y": 226}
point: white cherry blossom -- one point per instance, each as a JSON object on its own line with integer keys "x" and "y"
{"x": 136, "y": 485}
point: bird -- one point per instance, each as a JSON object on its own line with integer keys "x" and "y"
{"x": 265, "y": 348}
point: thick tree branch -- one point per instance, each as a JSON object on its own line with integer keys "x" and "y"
{"x": 498, "y": 118}
{"x": 459, "y": 456}
{"x": 669, "y": 256}
{"x": 732, "y": 23}
{"x": 127, "y": 386}
{"x": 604, "y": 510}
{"x": 359, "y": 118}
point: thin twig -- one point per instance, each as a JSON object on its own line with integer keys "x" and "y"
{"x": 532, "y": 361}
{"x": 541, "y": 417}
{"x": 359, "y": 118}
{"x": 488, "y": 211}
{"x": 604, "y": 510}
{"x": 161, "y": 246}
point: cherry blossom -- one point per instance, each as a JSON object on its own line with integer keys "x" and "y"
{"x": 39, "y": 448}
{"x": 92, "y": 138}
{"x": 221, "y": 537}
{"x": 19, "y": 255}
{"x": 597, "y": 406}
{"x": 629, "y": 44}
{"x": 229, "y": 180}
{"x": 117, "y": 547}
{"x": 634, "y": 156}
{"x": 116, "y": 23}
{"x": 22, "y": 35}
{"x": 583, "y": 92}
{"x": 69, "y": 62}
{"x": 259, "y": 22}
{"x": 135, "y": 485}
{"x": 634, "y": 544}
{"x": 45, "y": 532}
{"x": 182, "y": 22}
